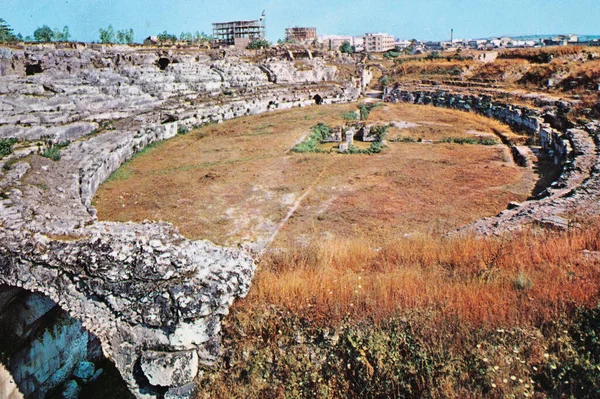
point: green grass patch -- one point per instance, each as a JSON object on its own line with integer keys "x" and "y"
{"x": 402, "y": 139}
{"x": 469, "y": 140}
{"x": 53, "y": 151}
{"x": 365, "y": 110}
{"x": 319, "y": 132}
{"x": 350, "y": 116}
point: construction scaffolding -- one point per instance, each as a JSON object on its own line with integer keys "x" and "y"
{"x": 301, "y": 35}
{"x": 225, "y": 33}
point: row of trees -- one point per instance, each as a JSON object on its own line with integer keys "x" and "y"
{"x": 6, "y": 33}
{"x": 41, "y": 34}
{"x": 47, "y": 34}
{"x": 109, "y": 35}
{"x": 196, "y": 38}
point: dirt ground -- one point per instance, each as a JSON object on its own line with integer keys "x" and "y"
{"x": 236, "y": 182}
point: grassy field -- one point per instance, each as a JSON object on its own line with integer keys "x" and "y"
{"x": 360, "y": 295}
{"x": 236, "y": 182}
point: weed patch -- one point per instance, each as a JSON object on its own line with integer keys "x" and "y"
{"x": 6, "y": 146}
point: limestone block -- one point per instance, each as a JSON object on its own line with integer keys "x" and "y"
{"x": 168, "y": 369}
{"x": 184, "y": 392}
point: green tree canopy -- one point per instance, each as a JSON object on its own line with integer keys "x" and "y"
{"x": 259, "y": 43}
{"x": 347, "y": 48}
{"x": 166, "y": 36}
{"x": 61, "y": 36}
{"x": 107, "y": 35}
{"x": 43, "y": 34}
{"x": 125, "y": 36}
{"x": 6, "y": 32}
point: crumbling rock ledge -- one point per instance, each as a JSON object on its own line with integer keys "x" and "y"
{"x": 153, "y": 298}
{"x": 575, "y": 148}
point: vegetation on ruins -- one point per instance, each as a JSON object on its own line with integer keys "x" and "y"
{"x": 366, "y": 108}
{"x": 53, "y": 150}
{"x": 6, "y": 146}
{"x": 319, "y": 132}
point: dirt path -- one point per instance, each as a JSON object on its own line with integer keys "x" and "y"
{"x": 294, "y": 208}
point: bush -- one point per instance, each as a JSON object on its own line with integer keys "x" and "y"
{"x": 347, "y": 48}
{"x": 384, "y": 81}
{"x": 391, "y": 54}
{"x": 181, "y": 129}
{"x": 350, "y": 116}
{"x": 6, "y": 146}
{"x": 379, "y": 132}
{"x": 258, "y": 44}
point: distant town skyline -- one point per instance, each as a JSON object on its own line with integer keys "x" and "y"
{"x": 404, "y": 19}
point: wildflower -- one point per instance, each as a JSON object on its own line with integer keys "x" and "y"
{"x": 512, "y": 377}
{"x": 493, "y": 385}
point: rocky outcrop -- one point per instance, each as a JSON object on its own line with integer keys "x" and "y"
{"x": 575, "y": 193}
{"x": 153, "y": 298}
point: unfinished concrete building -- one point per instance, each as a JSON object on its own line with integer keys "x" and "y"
{"x": 301, "y": 35}
{"x": 378, "y": 42}
{"x": 226, "y": 33}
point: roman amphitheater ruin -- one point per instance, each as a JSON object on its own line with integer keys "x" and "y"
{"x": 144, "y": 296}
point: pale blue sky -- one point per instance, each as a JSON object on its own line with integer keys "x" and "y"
{"x": 405, "y": 19}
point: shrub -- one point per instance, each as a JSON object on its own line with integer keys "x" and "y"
{"x": 6, "y": 146}
{"x": 391, "y": 54}
{"x": 350, "y": 116}
{"x": 379, "y": 132}
{"x": 181, "y": 129}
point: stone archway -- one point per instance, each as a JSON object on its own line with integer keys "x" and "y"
{"x": 366, "y": 75}
{"x": 48, "y": 352}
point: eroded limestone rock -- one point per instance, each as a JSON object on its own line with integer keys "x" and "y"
{"x": 151, "y": 296}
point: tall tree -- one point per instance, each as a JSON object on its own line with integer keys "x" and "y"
{"x": 125, "y": 36}
{"x": 6, "y": 32}
{"x": 61, "y": 36}
{"x": 43, "y": 34}
{"x": 107, "y": 35}
{"x": 347, "y": 48}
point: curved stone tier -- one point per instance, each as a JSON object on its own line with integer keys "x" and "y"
{"x": 152, "y": 297}
{"x": 575, "y": 192}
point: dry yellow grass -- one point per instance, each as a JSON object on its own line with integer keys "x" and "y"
{"x": 526, "y": 279}
{"x": 235, "y": 182}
